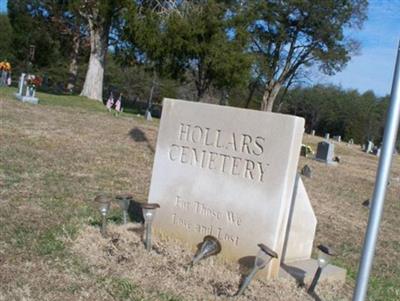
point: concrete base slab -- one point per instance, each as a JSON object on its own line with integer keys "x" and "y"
{"x": 303, "y": 271}
{"x": 32, "y": 100}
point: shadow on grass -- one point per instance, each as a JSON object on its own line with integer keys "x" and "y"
{"x": 139, "y": 136}
{"x": 296, "y": 273}
{"x": 116, "y": 215}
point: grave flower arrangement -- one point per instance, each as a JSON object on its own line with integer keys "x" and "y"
{"x": 5, "y": 66}
{"x": 309, "y": 149}
{"x": 33, "y": 82}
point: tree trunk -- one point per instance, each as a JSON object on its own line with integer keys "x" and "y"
{"x": 252, "y": 89}
{"x": 93, "y": 86}
{"x": 201, "y": 91}
{"x": 73, "y": 66}
{"x": 270, "y": 94}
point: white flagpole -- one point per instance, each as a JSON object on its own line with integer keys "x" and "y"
{"x": 382, "y": 176}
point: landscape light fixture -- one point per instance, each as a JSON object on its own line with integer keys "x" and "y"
{"x": 124, "y": 201}
{"x": 263, "y": 257}
{"x": 210, "y": 246}
{"x": 149, "y": 213}
{"x": 324, "y": 257}
{"x": 103, "y": 203}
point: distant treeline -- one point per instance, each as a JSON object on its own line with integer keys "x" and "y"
{"x": 330, "y": 109}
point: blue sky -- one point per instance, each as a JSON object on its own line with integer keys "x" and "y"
{"x": 373, "y": 68}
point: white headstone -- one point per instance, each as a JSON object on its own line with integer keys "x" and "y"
{"x": 313, "y": 133}
{"x": 21, "y": 83}
{"x": 227, "y": 172}
{"x": 327, "y": 136}
{"x": 369, "y": 146}
{"x": 337, "y": 138}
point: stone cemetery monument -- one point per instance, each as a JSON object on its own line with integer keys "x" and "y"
{"x": 368, "y": 146}
{"x": 231, "y": 173}
{"x": 327, "y": 136}
{"x": 326, "y": 152}
{"x": 25, "y": 92}
{"x": 313, "y": 133}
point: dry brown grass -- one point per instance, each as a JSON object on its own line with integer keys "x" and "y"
{"x": 55, "y": 159}
{"x": 164, "y": 269}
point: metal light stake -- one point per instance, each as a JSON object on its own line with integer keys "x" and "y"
{"x": 263, "y": 257}
{"x": 149, "y": 212}
{"x": 103, "y": 204}
{"x": 124, "y": 201}
{"x": 324, "y": 257}
{"x": 210, "y": 246}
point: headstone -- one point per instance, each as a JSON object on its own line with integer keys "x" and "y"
{"x": 3, "y": 78}
{"x": 351, "y": 141}
{"x": 325, "y": 152}
{"x": 337, "y": 138}
{"x": 25, "y": 94}
{"x": 306, "y": 171}
{"x": 21, "y": 83}
{"x": 327, "y": 136}
{"x": 368, "y": 147}
{"x": 229, "y": 173}
{"x": 313, "y": 133}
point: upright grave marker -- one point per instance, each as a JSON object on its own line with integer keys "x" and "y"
{"x": 325, "y": 152}
{"x": 369, "y": 145}
{"x": 26, "y": 93}
{"x": 226, "y": 172}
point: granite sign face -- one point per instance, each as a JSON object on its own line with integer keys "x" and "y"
{"x": 225, "y": 172}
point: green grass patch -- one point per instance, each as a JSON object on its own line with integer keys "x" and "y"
{"x": 22, "y": 237}
{"x": 49, "y": 243}
{"x": 169, "y": 297}
{"x": 121, "y": 289}
{"x": 384, "y": 288}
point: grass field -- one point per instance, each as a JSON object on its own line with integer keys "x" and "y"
{"x": 57, "y": 156}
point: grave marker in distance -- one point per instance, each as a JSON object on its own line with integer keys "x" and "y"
{"x": 325, "y": 152}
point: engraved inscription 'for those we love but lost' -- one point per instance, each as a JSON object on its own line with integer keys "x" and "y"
{"x": 227, "y": 172}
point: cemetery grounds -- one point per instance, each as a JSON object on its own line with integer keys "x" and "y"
{"x": 58, "y": 155}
